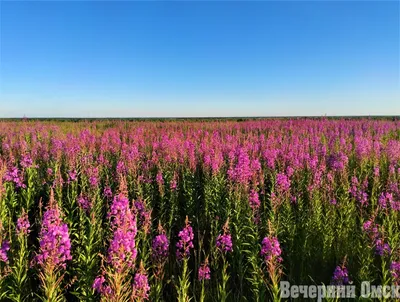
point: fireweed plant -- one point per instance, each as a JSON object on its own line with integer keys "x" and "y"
{"x": 159, "y": 257}
{"x": 183, "y": 249}
{"x": 204, "y": 274}
{"x": 224, "y": 246}
{"x": 54, "y": 252}
{"x": 137, "y": 210}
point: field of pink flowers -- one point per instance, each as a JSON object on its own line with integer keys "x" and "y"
{"x": 196, "y": 210}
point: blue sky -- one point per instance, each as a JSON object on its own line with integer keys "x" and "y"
{"x": 220, "y": 58}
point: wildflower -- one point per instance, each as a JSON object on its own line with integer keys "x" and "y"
{"x": 382, "y": 248}
{"x": 26, "y": 161}
{"x": 282, "y": 182}
{"x": 14, "y": 175}
{"x": 93, "y": 174}
{"x": 340, "y": 276}
{"x": 254, "y": 199}
{"x": 224, "y": 243}
{"x": 357, "y": 191}
{"x": 242, "y": 171}
{"x": 270, "y": 249}
{"x": 371, "y": 229}
{"x": 93, "y": 181}
{"x": 23, "y": 224}
{"x": 141, "y": 286}
{"x": 100, "y": 286}
{"x": 4, "y": 248}
{"x": 377, "y": 238}
{"x": 72, "y": 175}
{"x": 338, "y": 162}
{"x": 55, "y": 244}
{"x": 367, "y": 226}
{"x": 144, "y": 216}
{"x": 185, "y": 242}
{"x": 174, "y": 182}
{"x": 395, "y": 271}
{"x": 140, "y": 206}
{"x": 393, "y": 150}
{"x": 363, "y": 146}
{"x": 122, "y": 250}
{"x": 84, "y": 203}
{"x": 289, "y": 171}
{"x": 121, "y": 169}
{"x": 159, "y": 178}
{"x": 160, "y": 247}
{"x": 384, "y": 199}
{"x": 376, "y": 171}
{"x": 395, "y": 205}
{"x": 107, "y": 192}
{"x": 204, "y": 271}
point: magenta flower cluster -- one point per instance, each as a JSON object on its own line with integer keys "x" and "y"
{"x": 100, "y": 286}
{"x": 395, "y": 271}
{"x": 282, "y": 182}
{"x": 26, "y": 161}
{"x": 271, "y": 250}
{"x": 204, "y": 272}
{"x": 84, "y": 203}
{"x": 224, "y": 243}
{"x": 122, "y": 250}
{"x": 340, "y": 276}
{"x": 72, "y": 176}
{"x": 254, "y": 200}
{"x": 4, "y": 248}
{"x": 185, "y": 242}
{"x": 107, "y": 192}
{"x": 15, "y": 176}
{"x": 141, "y": 287}
{"x": 382, "y": 248}
{"x": 160, "y": 247}
{"x": 55, "y": 244}
{"x": 144, "y": 216}
{"x": 372, "y": 230}
{"x": 338, "y": 161}
{"x": 358, "y": 191}
{"x": 387, "y": 199}
{"x": 23, "y": 225}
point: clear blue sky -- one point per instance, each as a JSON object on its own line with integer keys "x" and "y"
{"x": 104, "y": 58}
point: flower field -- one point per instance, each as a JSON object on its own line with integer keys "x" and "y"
{"x": 215, "y": 210}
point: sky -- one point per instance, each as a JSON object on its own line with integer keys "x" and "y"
{"x": 199, "y": 58}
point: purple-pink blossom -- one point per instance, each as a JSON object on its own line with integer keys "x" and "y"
{"x": 23, "y": 224}
{"x": 185, "y": 243}
{"x": 224, "y": 243}
{"x": 282, "y": 182}
{"x": 254, "y": 200}
{"x": 395, "y": 271}
{"x": 204, "y": 271}
{"x": 122, "y": 249}
{"x": 141, "y": 286}
{"x": 54, "y": 241}
{"x": 160, "y": 247}
{"x": 340, "y": 276}
{"x": 270, "y": 249}
{"x": 84, "y": 203}
{"x": 100, "y": 286}
{"x": 4, "y": 248}
{"x": 15, "y": 175}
